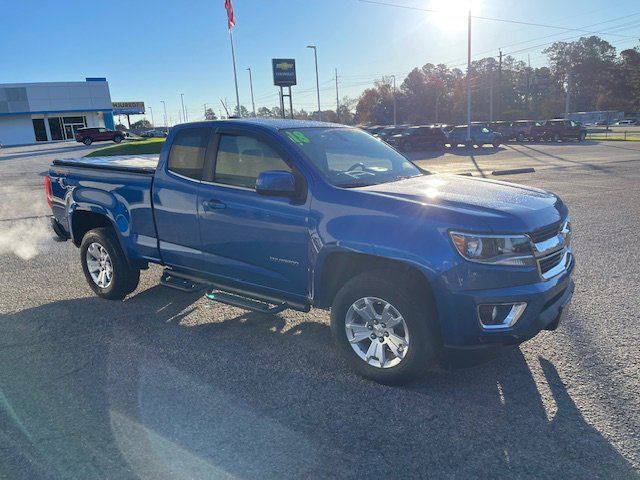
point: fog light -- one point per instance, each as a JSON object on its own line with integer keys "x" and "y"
{"x": 494, "y": 316}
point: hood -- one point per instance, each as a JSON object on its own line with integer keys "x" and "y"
{"x": 501, "y": 207}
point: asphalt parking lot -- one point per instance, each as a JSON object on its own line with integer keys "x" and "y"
{"x": 167, "y": 385}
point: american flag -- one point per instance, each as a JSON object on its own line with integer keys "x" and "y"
{"x": 231, "y": 18}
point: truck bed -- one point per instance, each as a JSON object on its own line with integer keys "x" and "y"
{"x": 145, "y": 164}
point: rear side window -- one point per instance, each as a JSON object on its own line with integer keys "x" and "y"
{"x": 241, "y": 159}
{"x": 187, "y": 152}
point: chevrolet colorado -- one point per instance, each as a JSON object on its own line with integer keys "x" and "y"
{"x": 276, "y": 214}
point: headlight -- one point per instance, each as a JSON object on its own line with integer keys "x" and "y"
{"x": 512, "y": 250}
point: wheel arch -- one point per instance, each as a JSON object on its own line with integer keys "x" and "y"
{"x": 338, "y": 267}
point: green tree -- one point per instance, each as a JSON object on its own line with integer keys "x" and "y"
{"x": 209, "y": 114}
{"x": 143, "y": 124}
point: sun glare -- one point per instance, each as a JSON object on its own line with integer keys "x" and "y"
{"x": 451, "y": 14}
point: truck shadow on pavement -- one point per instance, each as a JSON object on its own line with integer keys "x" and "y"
{"x": 138, "y": 389}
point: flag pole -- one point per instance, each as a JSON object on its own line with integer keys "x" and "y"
{"x": 235, "y": 75}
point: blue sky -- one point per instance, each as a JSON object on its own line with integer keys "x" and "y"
{"x": 155, "y": 50}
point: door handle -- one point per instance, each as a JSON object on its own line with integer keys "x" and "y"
{"x": 209, "y": 205}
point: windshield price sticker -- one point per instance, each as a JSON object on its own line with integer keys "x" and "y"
{"x": 298, "y": 137}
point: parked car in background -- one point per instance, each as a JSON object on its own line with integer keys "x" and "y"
{"x": 523, "y": 129}
{"x": 505, "y": 128}
{"x": 627, "y": 121}
{"x": 559, "y": 129}
{"x": 479, "y": 136}
{"x": 419, "y": 138}
{"x": 373, "y": 129}
{"x": 99, "y": 134}
{"x": 154, "y": 134}
{"x": 388, "y": 132}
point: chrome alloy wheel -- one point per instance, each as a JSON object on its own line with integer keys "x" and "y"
{"x": 99, "y": 265}
{"x": 377, "y": 332}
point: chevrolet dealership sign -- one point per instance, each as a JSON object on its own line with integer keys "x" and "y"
{"x": 284, "y": 72}
{"x": 128, "y": 108}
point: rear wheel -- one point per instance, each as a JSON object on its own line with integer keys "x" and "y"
{"x": 520, "y": 137}
{"x": 384, "y": 327}
{"x": 105, "y": 265}
{"x": 87, "y": 141}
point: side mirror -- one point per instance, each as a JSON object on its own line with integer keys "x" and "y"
{"x": 276, "y": 183}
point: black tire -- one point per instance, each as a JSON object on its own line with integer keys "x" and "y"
{"x": 416, "y": 308}
{"x": 582, "y": 137}
{"x": 125, "y": 277}
{"x": 556, "y": 137}
{"x": 496, "y": 143}
{"x": 117, "y": 138}
{"x": 520, "y": 137}
{"x": 87, "y": 141}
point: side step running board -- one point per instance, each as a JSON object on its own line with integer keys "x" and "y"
{"x": 182, "y": 284}
{"x": 246, "y": 303}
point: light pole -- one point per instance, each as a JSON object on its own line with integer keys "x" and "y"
{"x": 164, "y": 105}
{"x": 253, "y": 104}
{"x": 469, "y": 79}
{"x": 184, "y": 112}
{"x": 315, "y": 56}
{"x": 395, "y": 109}
{"x": 153, "y": 124}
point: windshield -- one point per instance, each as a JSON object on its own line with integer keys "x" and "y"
{"x": 349, "y": 157}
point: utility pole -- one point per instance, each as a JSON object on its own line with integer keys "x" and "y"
{"x": 315, "y": 56}
{"x": 567, "y": 100}
{"x": 337, "y": 98}
{"x": 395, "y": 103}
{"x": 499, "y": 85}
{"x": 184, "y": 112}
{"x": 153, "y": 124}
{"x": 253, "y": 104}
{"x": 180, "y": 116}
{"x": 166, "y": 123}
{"x": 469, "y": 79}
{"x": 491, "y": 98}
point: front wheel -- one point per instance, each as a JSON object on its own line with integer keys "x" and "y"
{"x": 496, "y": 143}
{"x": 582, "y": 137}
{"x": 117, "y": 138}
{"x": 557, "y": 137}
{"x": 105, "y": 265}
{"x": 87, "y": 141}
{"x": 520, "y": 137}
{"x": 384, "y": 327}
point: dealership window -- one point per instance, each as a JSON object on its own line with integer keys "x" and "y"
{"x": 55, "y": 127}
{"x": 39, "y": 129}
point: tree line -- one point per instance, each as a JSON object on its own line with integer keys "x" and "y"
{"x": 589, "y": 69}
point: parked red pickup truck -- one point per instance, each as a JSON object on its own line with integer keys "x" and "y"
{"x": 98, "y": 134}
{"x": 559, "y": 129}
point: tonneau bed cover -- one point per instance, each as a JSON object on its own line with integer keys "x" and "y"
{"x": 126, "y": 163}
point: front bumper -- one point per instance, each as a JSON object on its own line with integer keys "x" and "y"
{"x": 547, "y": 302}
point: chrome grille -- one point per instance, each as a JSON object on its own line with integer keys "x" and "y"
{"x": 545, "y": 233}
{"x": 552, "y": 249}
{"x": 550, "y": 261}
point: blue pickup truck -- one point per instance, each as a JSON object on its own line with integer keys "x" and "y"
{"x": 276, "y": 214}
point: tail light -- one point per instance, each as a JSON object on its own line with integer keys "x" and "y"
{"x": 47, "y": 190}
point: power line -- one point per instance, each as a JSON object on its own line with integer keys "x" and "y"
{"x": 503, "y": 20}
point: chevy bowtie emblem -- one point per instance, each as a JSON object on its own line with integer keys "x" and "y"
{"x": 284, "y": 66}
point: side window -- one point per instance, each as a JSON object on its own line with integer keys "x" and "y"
{"x": 187, "y": 152}
{"x": 241, "y": 159}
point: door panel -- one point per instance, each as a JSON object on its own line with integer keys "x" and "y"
{"x": 175, "y": 199}
{"x": 250, "y": 238}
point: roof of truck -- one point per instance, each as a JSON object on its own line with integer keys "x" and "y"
{"x": 271, "y": 123}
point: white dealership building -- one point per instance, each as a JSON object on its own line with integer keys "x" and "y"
{"x": 52, "y": 111}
